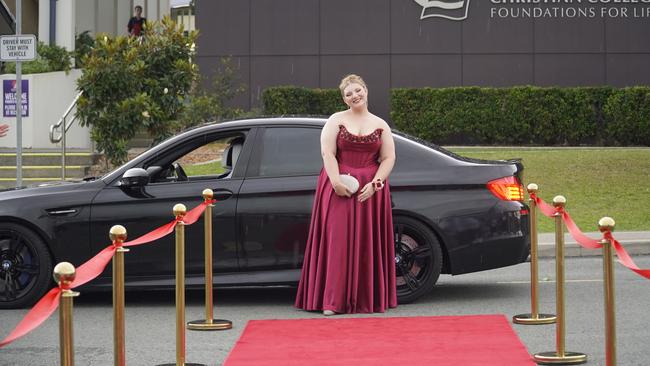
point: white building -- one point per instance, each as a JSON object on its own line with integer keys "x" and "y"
{"x": 58, "y": 22}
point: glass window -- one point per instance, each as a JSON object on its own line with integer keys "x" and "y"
{"x": 290, "y": 151}
{"x": 206, "y": 160}
{"x": 213, "y": 160}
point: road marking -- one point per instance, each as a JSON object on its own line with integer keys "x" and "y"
{"x": 552, "y": 281}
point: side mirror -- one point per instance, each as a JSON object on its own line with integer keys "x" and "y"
{"x": 134, "y": 177}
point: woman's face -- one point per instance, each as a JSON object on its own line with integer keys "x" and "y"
{"x": 355, "y": 95}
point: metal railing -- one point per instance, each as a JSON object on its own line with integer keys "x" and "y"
{"x": 62, "y": 128}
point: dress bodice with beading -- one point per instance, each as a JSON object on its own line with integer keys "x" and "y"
{"x": 358, "y": 151}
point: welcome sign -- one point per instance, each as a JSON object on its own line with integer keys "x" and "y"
{"x": 9, "y": 98}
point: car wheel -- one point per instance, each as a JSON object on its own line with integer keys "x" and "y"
{"x": 25, "y": 266}
{"x": 418, "y": 259}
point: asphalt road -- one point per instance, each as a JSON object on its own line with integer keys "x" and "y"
{"x": 150, "y": 316}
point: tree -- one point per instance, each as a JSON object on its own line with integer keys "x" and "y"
{"x": 209, "y": 105}
{"x": 130, "y": 83}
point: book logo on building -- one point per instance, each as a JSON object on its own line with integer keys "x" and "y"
{"x": 448, "y": 9}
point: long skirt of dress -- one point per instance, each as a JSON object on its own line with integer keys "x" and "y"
{"x": 349, "y": 259}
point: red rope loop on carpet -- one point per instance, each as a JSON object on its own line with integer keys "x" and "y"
{"x": 89, "y": 270}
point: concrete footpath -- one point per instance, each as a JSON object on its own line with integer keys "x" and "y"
{"x": 635, "y": 242}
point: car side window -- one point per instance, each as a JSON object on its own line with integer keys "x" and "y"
{"x": 215, "y": 159}
{"x": 287, "y": 151}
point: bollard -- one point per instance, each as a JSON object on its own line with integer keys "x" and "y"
{"x": 606, "y": 224}
{"x": 560, "y": 356}
{"x": 179, "y": 212}
{"x": 209, "y": 323}
{"x": 534, "y": 318}
{"x": 64, "y": 274}
{"x": 117, "y": 235}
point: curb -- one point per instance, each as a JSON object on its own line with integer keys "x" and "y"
{"x": 636, "y": 243}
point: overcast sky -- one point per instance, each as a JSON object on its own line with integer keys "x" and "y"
{"x": 176, "y": 3}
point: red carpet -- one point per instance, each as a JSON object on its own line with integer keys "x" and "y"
{"x": 445, "y": 340}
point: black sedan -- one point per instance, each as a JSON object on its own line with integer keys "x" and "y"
{"x": 451, "y": 214}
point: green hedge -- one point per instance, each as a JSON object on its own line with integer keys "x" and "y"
{"x": 524, "y": 115}
{"x": 284, "y": 100}
{"x": 627, "y": 115}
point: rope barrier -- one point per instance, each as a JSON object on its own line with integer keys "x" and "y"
{"x": 90, "y": 270}
{"x": 587, "y": 242}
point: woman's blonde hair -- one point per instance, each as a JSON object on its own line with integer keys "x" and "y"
{"x": 351, "y": 79}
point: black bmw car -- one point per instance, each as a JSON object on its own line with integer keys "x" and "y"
{"x": 451, "y": 214}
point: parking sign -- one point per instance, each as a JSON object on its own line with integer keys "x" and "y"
{"x": 18, "y": 47}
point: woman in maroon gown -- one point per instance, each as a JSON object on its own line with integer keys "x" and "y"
{"x": 349, "y": 259}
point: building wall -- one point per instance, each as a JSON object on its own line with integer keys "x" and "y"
{"x": 49, "y": 96}
{"x": 314, "y": 43}
{"x": 30, "y": 15}
{"x": 112, "y": 16}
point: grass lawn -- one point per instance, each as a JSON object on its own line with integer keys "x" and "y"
{"x": 596, "y": 182}
{"x": 211, "y": 168}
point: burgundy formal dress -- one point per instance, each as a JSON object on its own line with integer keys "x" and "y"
{"x": 349, "y": 264}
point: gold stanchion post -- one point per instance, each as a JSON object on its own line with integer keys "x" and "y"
{"x": 560, "y": 356}
{"x": 117, "y": 235}
{"x": 606, "y": 224}
{"x": 179, "y": 212}
{"x": 209, "y": 323}
{"x": 534, "y": 318}
{"x": 64, "y": 274}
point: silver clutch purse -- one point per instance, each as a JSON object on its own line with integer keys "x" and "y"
{"x": 351, "y": 182}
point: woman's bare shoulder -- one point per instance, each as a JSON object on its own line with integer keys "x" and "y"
{"x": 336, "y": 118}
{"x": 380, "y": 123}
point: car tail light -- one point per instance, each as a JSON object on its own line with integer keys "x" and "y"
{"x": 507, "y": 188}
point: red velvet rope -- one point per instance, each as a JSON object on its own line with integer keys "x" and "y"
{"x": 88, "y": 272}
{"x": 544, "y": 208}
{"x": 39, "y": 313}
{"x": 587, "y": 242}
{"x": 581, "y": 238}
{"x": 624, "y": 258}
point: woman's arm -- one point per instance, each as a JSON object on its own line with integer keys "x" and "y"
{"x": 328, "y": 151}
{"x": 3, "y": 130}
{"x": 386, "y": 163}
{"x": 386, "y": 154}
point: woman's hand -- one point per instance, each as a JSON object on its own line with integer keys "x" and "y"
{"x": 341, "y": 189}
{"x": 366, "y": 192}
{"x": 3, "y": 130}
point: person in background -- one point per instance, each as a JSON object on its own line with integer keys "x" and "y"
{"x": 136, "y": 23}
{"x": 3, "y": 130}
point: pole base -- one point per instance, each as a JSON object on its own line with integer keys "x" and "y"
{"x": 552, "y": 358}
{"x": 215, "y": 324}
{"x": 529, "y": 319}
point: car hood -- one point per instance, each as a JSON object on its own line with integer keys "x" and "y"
{"x": 44, "y": 189}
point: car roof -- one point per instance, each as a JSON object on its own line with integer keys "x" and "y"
{"x": 266, "y": 121}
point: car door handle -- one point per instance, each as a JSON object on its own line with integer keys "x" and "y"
{"x": 222, "y": 194}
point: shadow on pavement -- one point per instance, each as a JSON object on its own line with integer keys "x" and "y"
{"x": 280, "y": 295}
